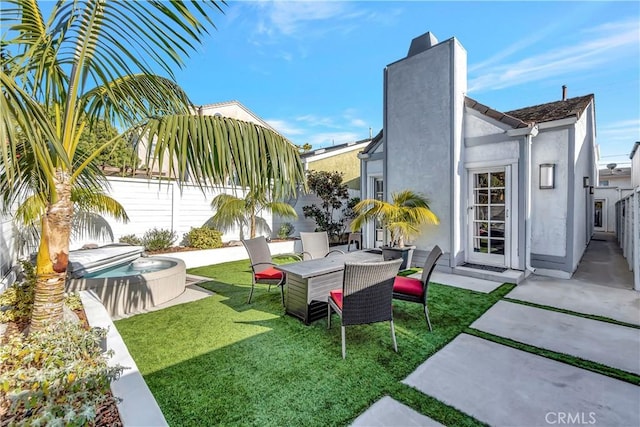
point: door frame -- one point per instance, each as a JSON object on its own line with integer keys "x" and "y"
{"x": 603, "y": 219}
{"x": 511, "y": 258}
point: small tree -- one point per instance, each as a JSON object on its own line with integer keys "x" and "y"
{"x": 328, "y": 186}
{"x": 246, "y": 212}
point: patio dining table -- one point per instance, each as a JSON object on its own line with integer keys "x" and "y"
{"x": 308, "y": 282}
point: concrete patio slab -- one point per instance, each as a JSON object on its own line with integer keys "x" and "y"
{"x": 389, "y": 412}
{"x": 612, "y": 345}
{"x": 465, "y": 282}
{"x": 582, "y": 297}
{"x": 502, "y": 386}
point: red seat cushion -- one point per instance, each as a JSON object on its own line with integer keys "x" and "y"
{"x": 407, "y": 286}
{"x": 336, "y": 295}
{"x": 269, "y": 274}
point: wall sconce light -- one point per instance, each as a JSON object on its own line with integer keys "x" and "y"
{"x": 591, "y": 190}
{"x": 585, "y": 182}
{"x": 547, "y": 175}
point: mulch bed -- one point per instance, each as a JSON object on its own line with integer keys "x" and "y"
{"x": 107, "y": 415}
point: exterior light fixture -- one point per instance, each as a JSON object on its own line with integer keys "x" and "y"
{"x": 585, "y": 182}
{"x": 547, "y": 176}
{"x": 591, "y": 190}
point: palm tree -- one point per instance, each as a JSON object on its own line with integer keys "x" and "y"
{"x": 94, "y": 60}
{"x": 245, "y": 212}
{"x": 403, "y": 216}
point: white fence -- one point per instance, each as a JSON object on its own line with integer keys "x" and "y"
{"x": 628, "y": 232}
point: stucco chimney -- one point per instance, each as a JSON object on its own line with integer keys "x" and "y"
{"x": 564, "y": 92}
{"x": 422, "y": 43}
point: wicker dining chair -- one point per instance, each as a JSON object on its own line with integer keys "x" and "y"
{"x": 262, "y": 265}
{"x": 417, "y": 290}
{"x": 316, "y": 245}
{"x": 365, "y": 296}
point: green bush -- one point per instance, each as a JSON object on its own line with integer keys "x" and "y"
{"x": 203, "y": 238}
{"x": 55, "y": 377}
{"x": 17, "y": 300}
{"x": 157, "y": 239}
{"x": 131, "y": 239}
{"x": 286, "y": 230}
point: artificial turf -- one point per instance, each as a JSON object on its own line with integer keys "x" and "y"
{"x": 221, "y": 361}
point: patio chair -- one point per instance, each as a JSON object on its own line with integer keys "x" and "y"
{"x": 417, "y": 290}
{"x": 365, "y": 296}
{"x": 356, "y": 239}
{"x": 262, "y": 265}
{"x": 316, "y": 245}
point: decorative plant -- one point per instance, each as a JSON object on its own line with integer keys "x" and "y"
{"x": 403, "y": 216}
{"x": 203, "y": 238}
{"x": 158, "y": 239}
{"x": 232, "y": 211}
{"x": 328, "y": 186}
{"x": 84, "y": 63}
{"x": 286, "y": 230}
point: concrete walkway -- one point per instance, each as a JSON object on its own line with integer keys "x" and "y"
{"x": 563, "y": 333}
{"x": 581, "y": 297}
{"x": 501, "y": 386}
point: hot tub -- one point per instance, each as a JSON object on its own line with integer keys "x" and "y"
{"x": 133, "y": 286}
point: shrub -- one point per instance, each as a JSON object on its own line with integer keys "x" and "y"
{"x": 17, "y": 300}
{"x": 157, "y": 239}
{"x": 58, "y": 376}
{"x": 131, "y": 239}
{"x": 203, "y": 238}
{"x": 286, "y": 230}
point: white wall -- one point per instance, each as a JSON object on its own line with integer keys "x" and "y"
{"x": 549, "y": 206}
{"x": 610, "y": 195}
{"x": 424, "y": 103}
{"x": 635, "y": 168}
{"x": 7, "y": 252}
{"x": 151, "y": 204}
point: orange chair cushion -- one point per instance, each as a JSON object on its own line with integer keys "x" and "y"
{"x": 269, "y": 274}
{"x": 336, "y": 295}
{"x": 407, "y": 286}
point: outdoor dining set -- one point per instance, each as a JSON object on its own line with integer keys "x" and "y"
{"x": 358, "y": 286}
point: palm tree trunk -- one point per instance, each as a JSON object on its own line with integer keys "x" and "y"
{"x": 53, "y": 256}
{"x": 252, "y": 226}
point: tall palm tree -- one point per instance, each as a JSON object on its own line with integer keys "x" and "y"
{"x": 403, "y": 216}
{"x": 245, "y": 212}
{"x": 96, "y": 60}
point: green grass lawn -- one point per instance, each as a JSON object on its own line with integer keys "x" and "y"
{"x": 221, "y": 361}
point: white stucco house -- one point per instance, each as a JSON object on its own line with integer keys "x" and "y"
{"x": 512, "y": 189}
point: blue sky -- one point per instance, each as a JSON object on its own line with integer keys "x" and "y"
{"x": 313, "y": 70}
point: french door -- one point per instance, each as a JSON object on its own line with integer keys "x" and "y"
{"x": 489, "y": 223}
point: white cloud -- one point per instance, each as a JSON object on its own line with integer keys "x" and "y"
{"x": 284, "y": 127}
{"x": 604, "y": 45}
{"x": 319, "y": 140}
{"x": 314, "y": 120}
{"x": 623, "y": 132}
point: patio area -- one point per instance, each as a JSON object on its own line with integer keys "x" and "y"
{"x": 219, "y": 360}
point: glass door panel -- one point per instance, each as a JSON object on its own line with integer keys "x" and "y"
{"x": 488, "y": 217}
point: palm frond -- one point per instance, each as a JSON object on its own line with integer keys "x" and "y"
{"x": 211, "y": 149}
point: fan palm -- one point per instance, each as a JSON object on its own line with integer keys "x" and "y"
{"x": 94, "y": 60}
{"x": 245, "y": 212}
{"x": 403, "y": 216}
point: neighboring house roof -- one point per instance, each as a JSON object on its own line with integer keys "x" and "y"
{"x": 635, "y": 148}
{"x": 223, "y": 106}
{"x": 505, "y": 118}
{"x": 332, "y": 148}
{"x": 551, "y": 111}
{"x": 374, "y": 142}
{"x": 615, "y": 172}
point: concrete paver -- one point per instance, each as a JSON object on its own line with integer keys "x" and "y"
{"x": 582, "y": 297}
{"x": 503, "y": 386}
{"x": 465, "y": 282}
{"x": 611, "y": 345}
{"x": 389, "y": 412}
